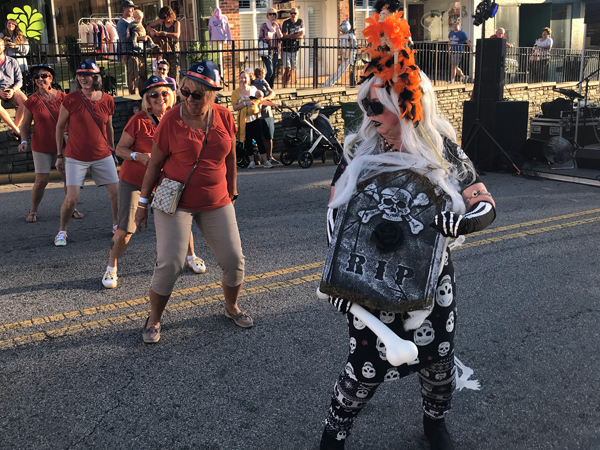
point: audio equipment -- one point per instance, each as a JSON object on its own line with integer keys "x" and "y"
{"x": 490, "y": 72}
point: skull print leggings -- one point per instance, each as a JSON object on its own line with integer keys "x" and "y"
{"x": 367, "y": 366}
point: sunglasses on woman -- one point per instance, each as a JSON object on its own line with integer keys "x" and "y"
{"x": 195, "y": 95}
{"x": 272, "y": 14}
{"x": 155, "y": 94}
{"x": 372, "y": 107}
{"x": 43, "y": 76}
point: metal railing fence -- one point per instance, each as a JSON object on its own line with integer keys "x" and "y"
{"x": 320, "y": 62}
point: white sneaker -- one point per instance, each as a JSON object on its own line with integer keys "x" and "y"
{"x": 109, "y": 281}
{"x": 268, "y": 165}
{"x": 251, "y": 165}
{"x": 61, "y": 239}
{"x": 197, "y": 265}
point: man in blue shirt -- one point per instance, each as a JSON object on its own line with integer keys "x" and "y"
{"x": 136, "y": 64}
{"x": 11, "y": 95}
{"x": 457, "y": 40}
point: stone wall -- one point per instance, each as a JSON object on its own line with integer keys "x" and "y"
{"x": 450, "y": 100}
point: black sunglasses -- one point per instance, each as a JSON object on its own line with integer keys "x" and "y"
{"x": 293, "y": 14}
{"x": 195, "y": 95}
{"x": 271, "y": 14}
{"x": 42, "y": 76}
{"x": 155, "y": 94}
{"x": 372, "y": 107}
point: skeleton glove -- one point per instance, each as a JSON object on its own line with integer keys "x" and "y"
{"x": 450, "y": 224}
{"x": 340, "y": 304}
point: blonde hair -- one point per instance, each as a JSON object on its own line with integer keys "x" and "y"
{"x": 193, "y": 85}
{"x": 271, "y": 10}
{"x": 138, "y": 13}
{"x": 146, "y": 106}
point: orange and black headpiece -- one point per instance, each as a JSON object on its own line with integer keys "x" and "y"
{"x": 392, "y": 58}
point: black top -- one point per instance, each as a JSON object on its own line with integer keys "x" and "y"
{"x": 289, "y": 27}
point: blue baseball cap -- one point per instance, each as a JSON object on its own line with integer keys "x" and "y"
{"x": 155, "y": 81}
{"x": 205, "y": 72}
{"x": 88, "y": 67}
{"x": 45, "y": 67}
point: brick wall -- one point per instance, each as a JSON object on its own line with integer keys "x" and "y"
{"x": 450, "y": 100}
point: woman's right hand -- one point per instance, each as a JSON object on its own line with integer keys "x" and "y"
{"x": 60, "y": 165}
{"x": 23, "y": 147}
{"x": 141, "y": 217}
{"x": 144, "y": 158}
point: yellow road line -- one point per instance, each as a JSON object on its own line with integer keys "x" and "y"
{"x": 144, "y": 300}
{"x": 528, "y": 233}
{"x": 81, "y": 327}
{"x": 533, "y": 222}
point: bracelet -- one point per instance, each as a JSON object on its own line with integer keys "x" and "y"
{"x": 142, "y": 207}
{"x": 143, "y": 200}
{"x": 23, "y": 142}
{"x": 133, "y": 155}
{"x": 60, "y": 156}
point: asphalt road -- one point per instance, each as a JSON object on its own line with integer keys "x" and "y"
{"x": 74, "y": 373}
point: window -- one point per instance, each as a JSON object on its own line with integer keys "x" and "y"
{"x": 58, "y": 14}
{"x": 85, "y": 8}
{"x": 253, "y": 13}
{"x": 70, "y": 15}
{"x": 364, "y": 10}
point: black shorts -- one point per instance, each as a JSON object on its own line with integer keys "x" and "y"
{"x": 268, "y": 127}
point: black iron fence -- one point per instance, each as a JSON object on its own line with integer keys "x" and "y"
{"x": 318, "y": 62}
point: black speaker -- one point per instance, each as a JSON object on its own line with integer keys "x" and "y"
{"x": 489, "y": 69}
{"x": 506, "y": 122}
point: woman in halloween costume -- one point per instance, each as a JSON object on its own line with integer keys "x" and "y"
{"x": 402, "y": 132}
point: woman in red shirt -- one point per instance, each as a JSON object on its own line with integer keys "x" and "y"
{"x": 135, "y": 146}
{"x": 196, "y": 130}
{"x": 91, "y": 139}
{"x": 42, "y": 108}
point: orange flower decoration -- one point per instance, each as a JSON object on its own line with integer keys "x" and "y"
{"x": 393, "y": 61}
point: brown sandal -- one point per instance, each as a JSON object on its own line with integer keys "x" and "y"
{"x": 77, "y": 214}
{"x": 31, "y": 217}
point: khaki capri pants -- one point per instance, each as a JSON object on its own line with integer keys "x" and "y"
{"x": 220, "y": 230}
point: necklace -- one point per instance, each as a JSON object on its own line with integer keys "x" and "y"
{"x": 389, "y": 147}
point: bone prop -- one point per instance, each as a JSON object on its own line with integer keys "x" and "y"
{"x": 398, "y": 351}
{"x": 415, "y": 225}
{"x": 368, "y": 215}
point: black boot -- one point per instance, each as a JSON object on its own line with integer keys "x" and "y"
{"x": 437, "y": 433}
{"x": 328, "y": 442}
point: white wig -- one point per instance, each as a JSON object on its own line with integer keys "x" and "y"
{"x": 418, "y": 154}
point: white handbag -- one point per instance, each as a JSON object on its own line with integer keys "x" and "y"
{"x": 263, "y": 48}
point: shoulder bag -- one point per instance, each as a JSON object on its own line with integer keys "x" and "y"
{"x": 112, "y": 151}
{"x": 168, "y": 193}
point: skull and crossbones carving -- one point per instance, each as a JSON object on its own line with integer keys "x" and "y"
{"x": 395, "y": 205}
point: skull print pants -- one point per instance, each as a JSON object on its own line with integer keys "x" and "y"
{"x": 367, "y": 366}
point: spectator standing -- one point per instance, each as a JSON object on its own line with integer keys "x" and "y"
{"x": 293, "y": 31}
{"x": 499, "y": 34}
{"x": 15, "y": 43}
{"x": 271, "y": 34}
{"x": 166, "y": 32}
{"x": 42, "y": 108}
{"x": 161, "y": 71}
{"x": 540, "y": 57}
{"x": 268, "y": 121}
{"x": 136, "y": 65}
{"x": 11, "y": 81}
{"x": 138, "y": 34}
{"x": 135, "y": 148}
{"x": 246, "y": 102}
{"x": 197, "y": 130}
{"x": 457, "y": 39}
{"x": 91, "y": 140}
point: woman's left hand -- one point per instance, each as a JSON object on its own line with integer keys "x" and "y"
{"x": 453, "y": 225}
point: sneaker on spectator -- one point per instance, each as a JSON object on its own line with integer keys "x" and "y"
{"x": 109, "y": 281}
{"x": 268, "y": 165}
{"x": 251, "y": 165}
{"x": 61, "y": 239}
{"x": 197, "y": 265}
{"x": 274, "y": 161}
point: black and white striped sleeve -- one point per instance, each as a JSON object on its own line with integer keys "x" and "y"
{"x": 479, "y": 217}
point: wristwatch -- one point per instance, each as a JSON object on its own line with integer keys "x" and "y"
{"x": 234, "y": 197}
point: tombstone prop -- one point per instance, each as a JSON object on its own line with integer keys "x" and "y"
{"x": 383, "y": 253}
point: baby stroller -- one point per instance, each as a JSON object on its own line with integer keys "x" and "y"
{"x": 314, "y": 135}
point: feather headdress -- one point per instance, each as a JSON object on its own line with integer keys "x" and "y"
{"x": 392, "y": 58}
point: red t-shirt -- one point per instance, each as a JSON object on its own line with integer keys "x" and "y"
{"x": 85, "y": 141}
{"x": 44, "y": 129}
{"x": 141, "y": 129}
{"x": 207, "y": 188}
